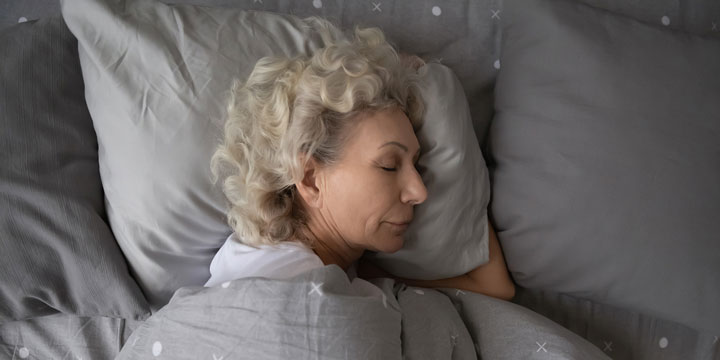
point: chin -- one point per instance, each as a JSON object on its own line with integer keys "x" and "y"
{"x": 392, "y": 245}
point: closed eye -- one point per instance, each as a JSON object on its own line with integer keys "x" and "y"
{"x": 392, "y": 169}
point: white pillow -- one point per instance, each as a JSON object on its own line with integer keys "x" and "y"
{"x": 157, "y": 78}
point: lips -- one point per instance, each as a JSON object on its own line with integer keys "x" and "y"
{"x": 398, "y": 228}
{"x": 400, "y": 223}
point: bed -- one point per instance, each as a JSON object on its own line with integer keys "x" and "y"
{"x": 597, "y": 124}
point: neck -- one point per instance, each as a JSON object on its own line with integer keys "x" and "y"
{"x": 331, "y": 249}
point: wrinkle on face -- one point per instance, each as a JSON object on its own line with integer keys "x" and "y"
{"x": 359, "y": 196}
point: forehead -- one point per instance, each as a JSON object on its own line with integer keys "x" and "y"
{"x": 383, "y": 126}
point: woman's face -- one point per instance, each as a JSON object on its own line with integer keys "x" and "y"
{"x": 368, "y": 196}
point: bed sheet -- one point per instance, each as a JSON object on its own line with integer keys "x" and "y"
{"x": 473, "y": 55}
{"x": 695, "y": 16}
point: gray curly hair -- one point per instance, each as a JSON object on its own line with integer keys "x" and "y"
{"x": 290, "y": 108}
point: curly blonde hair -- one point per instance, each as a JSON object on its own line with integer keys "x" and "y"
{"x": 293, "y": 107}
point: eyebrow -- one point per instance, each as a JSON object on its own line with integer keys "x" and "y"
{"x": 400, "y": 146}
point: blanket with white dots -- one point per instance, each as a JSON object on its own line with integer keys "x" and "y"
{"x": 321, "y": 314}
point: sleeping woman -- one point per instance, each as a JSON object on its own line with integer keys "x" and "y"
{"x": 319, "y": 164}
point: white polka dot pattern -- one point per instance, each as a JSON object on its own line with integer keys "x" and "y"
{"x": 157, "y": 349}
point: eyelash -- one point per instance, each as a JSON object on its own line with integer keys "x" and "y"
{"x": 395, "y": 169}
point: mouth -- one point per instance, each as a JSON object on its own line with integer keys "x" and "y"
{"x": 403, "y": 221}
{"x": 400, "y": 227}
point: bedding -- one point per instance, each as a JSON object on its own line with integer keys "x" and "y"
{"x": 65, "y": 336}
{"x": 322, "y": 314}
{"x": 57, "y": 253}
{"x": 605, "y": 160}
{"x": 159, "y": 122}
{"x": 621, "y": 333}
{"x": 468, "y": 43}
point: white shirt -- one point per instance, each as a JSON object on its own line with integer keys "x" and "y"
{"x": 235, "y": 260}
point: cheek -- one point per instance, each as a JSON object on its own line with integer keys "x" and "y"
{"x": 360, "y": 200}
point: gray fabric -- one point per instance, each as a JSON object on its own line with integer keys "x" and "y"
{"x": 159, "y": 122}
{"x": 57, "y": 253}
{"x": 318, "y": 313}
{"x": 433, "y": 315}
{"x": 62, "y": 336}
{"x": 503, "y": 330}
{"x": 323, "y": 315}
{"x": 471, "y": 55}
{"x": 449, "y": 235}
{"x": 464, "y": 36}
{"x": 700, "y": 17}
{"x": 606, "y": 172}
{"x": 14, "y": 11}
{"x": 620, "y": 333}
{"x": 467, "y": 41}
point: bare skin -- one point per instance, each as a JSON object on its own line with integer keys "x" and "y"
{"x": 360, "y": 203}
{"x": 490, "y": 279}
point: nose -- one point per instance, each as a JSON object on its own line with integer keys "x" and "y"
{"x": 414, "y": 191}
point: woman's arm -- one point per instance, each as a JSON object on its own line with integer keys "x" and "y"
{"x": 493, "y": 278}
{"x": 490, "y": 279}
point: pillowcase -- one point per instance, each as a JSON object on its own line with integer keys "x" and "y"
{"x": 58, "y": 254}
{"x": 157, "y": 86}
{"x": 605, "y": 149}
{"x": 449, "y": 234}
{"x": 157, "y": 89}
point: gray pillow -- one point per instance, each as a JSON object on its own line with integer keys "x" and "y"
{"x": 159, "y": 122}
{"x": 606, "y": 160}
{"x": 58, "y": 254}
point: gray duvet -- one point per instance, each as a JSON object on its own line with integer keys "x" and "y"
{"x": 321, "y": 314}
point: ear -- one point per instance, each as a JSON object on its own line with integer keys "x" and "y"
{"x": 309, "y": 186}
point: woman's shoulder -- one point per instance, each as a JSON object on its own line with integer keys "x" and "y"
{"x": 236, "y": 260}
